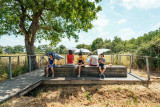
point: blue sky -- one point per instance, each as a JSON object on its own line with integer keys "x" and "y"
{"x": 124, "y": 18}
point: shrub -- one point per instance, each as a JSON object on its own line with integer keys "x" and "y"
{"x": 151, "y": 49}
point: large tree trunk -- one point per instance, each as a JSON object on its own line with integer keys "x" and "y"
{"x": 30, "y": 35}
{"x": 31, "y": 51}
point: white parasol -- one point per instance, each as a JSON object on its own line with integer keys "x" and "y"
{"x": 82, "y": 50}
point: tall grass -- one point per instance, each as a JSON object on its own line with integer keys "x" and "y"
{"x": 18, "y": 66}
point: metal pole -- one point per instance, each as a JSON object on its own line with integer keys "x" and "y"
{"x": 119, "y": 59}
{"x": 130, "y": 64}
{"x": 10, "y": 69}
{"x": 111, "y": 60}
{"x": 29, "y": 63}
{"x": 132, "y": 60}
{"x": 40, "y": 61}
{"x": 147, "y": 64}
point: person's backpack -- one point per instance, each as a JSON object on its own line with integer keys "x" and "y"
{"x": 94, "y": 60}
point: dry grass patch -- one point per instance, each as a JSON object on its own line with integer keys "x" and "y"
{"x": 91, "y": 95}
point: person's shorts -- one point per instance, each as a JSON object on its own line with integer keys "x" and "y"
{"x": 101, "y": 65}
{"x": 52, "y": 66}
{"x": 81, "y": 64}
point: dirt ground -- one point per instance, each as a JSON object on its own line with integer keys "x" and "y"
{"x": 124, "y": 95}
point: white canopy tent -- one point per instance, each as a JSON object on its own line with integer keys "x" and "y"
{"x": 82, "y": 50}
{"x": 99, "y": 51}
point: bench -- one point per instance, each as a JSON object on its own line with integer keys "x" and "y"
{"x": 87, "y": 71}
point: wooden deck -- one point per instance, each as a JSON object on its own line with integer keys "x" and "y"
{"x": 22, "y": 84}
{"x": 131, "y": 79}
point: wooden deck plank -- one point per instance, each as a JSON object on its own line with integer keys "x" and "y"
{"x": 20, "y": 85}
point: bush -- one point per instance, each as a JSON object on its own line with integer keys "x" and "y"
{"x": 151, "y": 49}
{"x": 20, "y": 70}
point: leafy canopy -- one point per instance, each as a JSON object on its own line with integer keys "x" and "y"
{"x": 56, "y": 18}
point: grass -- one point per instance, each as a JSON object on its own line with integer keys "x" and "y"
{"x": 17, "y": 68}
{"x": 123, "y": 95}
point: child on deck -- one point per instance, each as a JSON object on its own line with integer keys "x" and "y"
{"x": 51, "y": 64}
{"x": 101, "y": 62}
{"x": 80, "y": 63}
{"x": 70, "y": 58}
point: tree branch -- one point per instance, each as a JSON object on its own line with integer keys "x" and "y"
{"x": 42, "y": 19}
{"x": 22, "y": 18}
{"x": 47, "y": 28}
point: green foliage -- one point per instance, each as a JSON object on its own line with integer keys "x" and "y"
{"x": 18, "y": 49}
{"x": 83, "y": 46}
{"x": 117, "y": 45}
{"x": 49, "y": 19}
{"x": 151, "y": 49}
{"x": 97, "y": 44}
{"x": 15, "y": 49}
{"x": 1, "y": 49}
{"x": 61, "y": 49}
{"x": 20, "y": 70}
{"x": 88, "y": 95}
{"x": 8, "y": 49}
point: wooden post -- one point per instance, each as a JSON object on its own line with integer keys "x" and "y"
{"x": 29, "y": 63}
{"x": 10, "y": 69}
{"x": 147, "y": 65}
{"x": 130, "y": 64}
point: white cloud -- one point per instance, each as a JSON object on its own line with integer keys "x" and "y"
{"x": 122, "y": 21}
{"x": 144, "y": 4}
{"x": 83, "y": 38}
{"x": 156, "y": 27}
{"x": 11, "y": 40}
{"x": 101, "y": 22}
{"x": 126, "y": 33}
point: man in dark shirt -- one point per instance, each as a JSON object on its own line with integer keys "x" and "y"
{"x": 101, "y": 62}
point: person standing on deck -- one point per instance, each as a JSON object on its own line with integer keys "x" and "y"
{"x": 101, "y": 62}
{"x": 51, "y": 65}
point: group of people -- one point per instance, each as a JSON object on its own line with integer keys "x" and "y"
{"x": 81, "y": 62}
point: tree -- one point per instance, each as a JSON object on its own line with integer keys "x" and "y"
{"x": 83, "y": 46}
{"x": 107, "y": 44}
{"x": 18, "y": 48}
{"x": 97, "y": 44}
{"x": 46, "y": 19}
{"x": 8, "y": 49}
{"x": 62, "y": 49}
{"x": 1, "y": 49}
{"x": 117, "y": 45}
